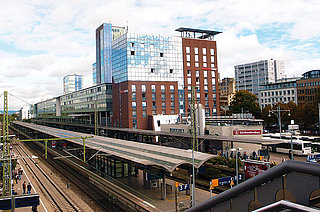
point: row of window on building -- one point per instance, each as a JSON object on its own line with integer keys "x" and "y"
{"x": 153, "y": 88}
{"x": 276, "y": 93}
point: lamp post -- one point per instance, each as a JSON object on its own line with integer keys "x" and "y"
{"x": 237, "y": 172}
{"x": 278, "y": 115}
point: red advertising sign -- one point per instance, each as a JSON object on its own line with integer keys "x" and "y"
{"x": 252, "y": 169}
{"x": 246, "y": 132}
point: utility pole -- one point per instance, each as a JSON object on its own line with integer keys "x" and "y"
{"x": 278, "y": 115}
{"x": 6, "y": 188}
{"x": 96, "y": 118}
{"x": 194, "y": 138}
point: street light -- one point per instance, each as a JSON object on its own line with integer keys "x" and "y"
{"x": 278, "y": 115}
{"x": 237, "y": 172}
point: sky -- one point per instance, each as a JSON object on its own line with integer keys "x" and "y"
{"x": 43, "y": 41}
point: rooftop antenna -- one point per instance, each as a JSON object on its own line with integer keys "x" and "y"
{"x": 127, "y": 28}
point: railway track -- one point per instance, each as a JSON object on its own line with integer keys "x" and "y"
{"x": 77, "y": 179}
{"x": 57, "y": 197}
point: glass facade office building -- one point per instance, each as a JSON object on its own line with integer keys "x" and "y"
{"x": 72, "y": 83}
{"x": 105, "y": 34}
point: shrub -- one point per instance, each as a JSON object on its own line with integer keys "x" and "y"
{"x": 218, "y": 161}
{"x": 211, "y": 173}
{"x": 232, "y": 163}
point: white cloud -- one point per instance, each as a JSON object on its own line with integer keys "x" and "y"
{"x": 41, "y": 41}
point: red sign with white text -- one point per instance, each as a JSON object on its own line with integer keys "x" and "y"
{"x": 246, "y": 132}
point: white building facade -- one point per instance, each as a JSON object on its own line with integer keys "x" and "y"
{"x": 284, "y": 91}
{"x": 251, "y": 76}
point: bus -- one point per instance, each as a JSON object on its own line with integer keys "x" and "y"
{"x": 315, "y": 148}
{"x": 299, "y": 147}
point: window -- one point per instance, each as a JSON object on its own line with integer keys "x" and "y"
{"x": 189, "y": 73}
{"x": 132, "y": 44}
{"x": 211, "y": 51}
{"x": 213, "y": 74}
{"x": 163, "y": 88}
{"x": 196, "y": 58}
{"x": 204, "y": 51}
{"x": 163, "y": 112}
{"x": 205, "y": 65}
{"x": 171, "y": 88}
{"x": 154, "y": 112}
{"x": 163, "y": 105}
{"x": 189, "y": 81}
{"x": 188, "y": 64}
{"x": 144, "y": 96}
{"x": 196, "y": 51}
{"x": 189, "y": 88}
{"x": 188, "y": 57}
{"x": 134, "y": 114}
{"x": 144, "y": 105}
{"x": 197, "y": 73}
{"x": 171, "y": 70}
{"x": 143, "y": 88}
{"x": 152, "y": 70}
{"x": 212, "y": 59}
{"x": 206, "y": 88}
{"x": 213, "y": 81}
{"x": 154, "y": 105}
{"x": 189, "y": 95}
{"x": 153, "y": 88}
{"x": 133, "y": 88}
{"x": 205, "y": 74}
{"x": 132, "y": 52}
{"x": 206, "y": 81}
{"x": 172, "y": 112}
{"x": 198, "y": 96}
{"x": 206, "y": 96}
{"x": 196, "y": 65}
{"x": 134, "y": 105}
{"x": 163, "y": 97}
{"x": 153, "y": 96}
{"x": 172, "y": 97}
{"x": 197, "y": 81}
{"x": 134, "y": 96}
{"x": 204, "y": 59}
{"x": 188, "y": 50}
{"x": 172, "y": 104}
{"x": 161, "y": 54}
{"x": 144, "y": 114}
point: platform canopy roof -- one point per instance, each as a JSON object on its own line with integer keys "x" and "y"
{"x": 168, "y": 158}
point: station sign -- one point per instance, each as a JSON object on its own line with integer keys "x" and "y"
{"x": 184, "y": 187}
{"x": 224, "y": 181}
{"x": 247, "y": 132}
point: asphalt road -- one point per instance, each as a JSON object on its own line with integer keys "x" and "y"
{"x": 278, "y": 157}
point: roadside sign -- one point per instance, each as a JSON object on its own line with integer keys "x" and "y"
{"x": 224, "y": 180}
{"x": 293, "y": 127}
{"x": 214, "y": 183}
{"x": 176, "y": 184}
{"x": 53, "y": 144}
{"x": 184, "y": 187}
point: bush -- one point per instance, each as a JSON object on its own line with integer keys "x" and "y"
{"x": 218, "y": 161}
{"x": 232, "y": 163}
{"x": 211, "y": 173}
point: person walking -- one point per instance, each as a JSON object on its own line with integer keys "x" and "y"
{"x": 29, "y": 188}
{"x": 20, "y": 173}
{"x": 24, "y": 186}
{"x": 17, "y": 178}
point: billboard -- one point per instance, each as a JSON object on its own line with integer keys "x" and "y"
{"x": 253, "y": 168}
{"x": 246, "y": 132}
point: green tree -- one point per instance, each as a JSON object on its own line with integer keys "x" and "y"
{"x": 244, "y": 101}
{"x": 307, "y": 116}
